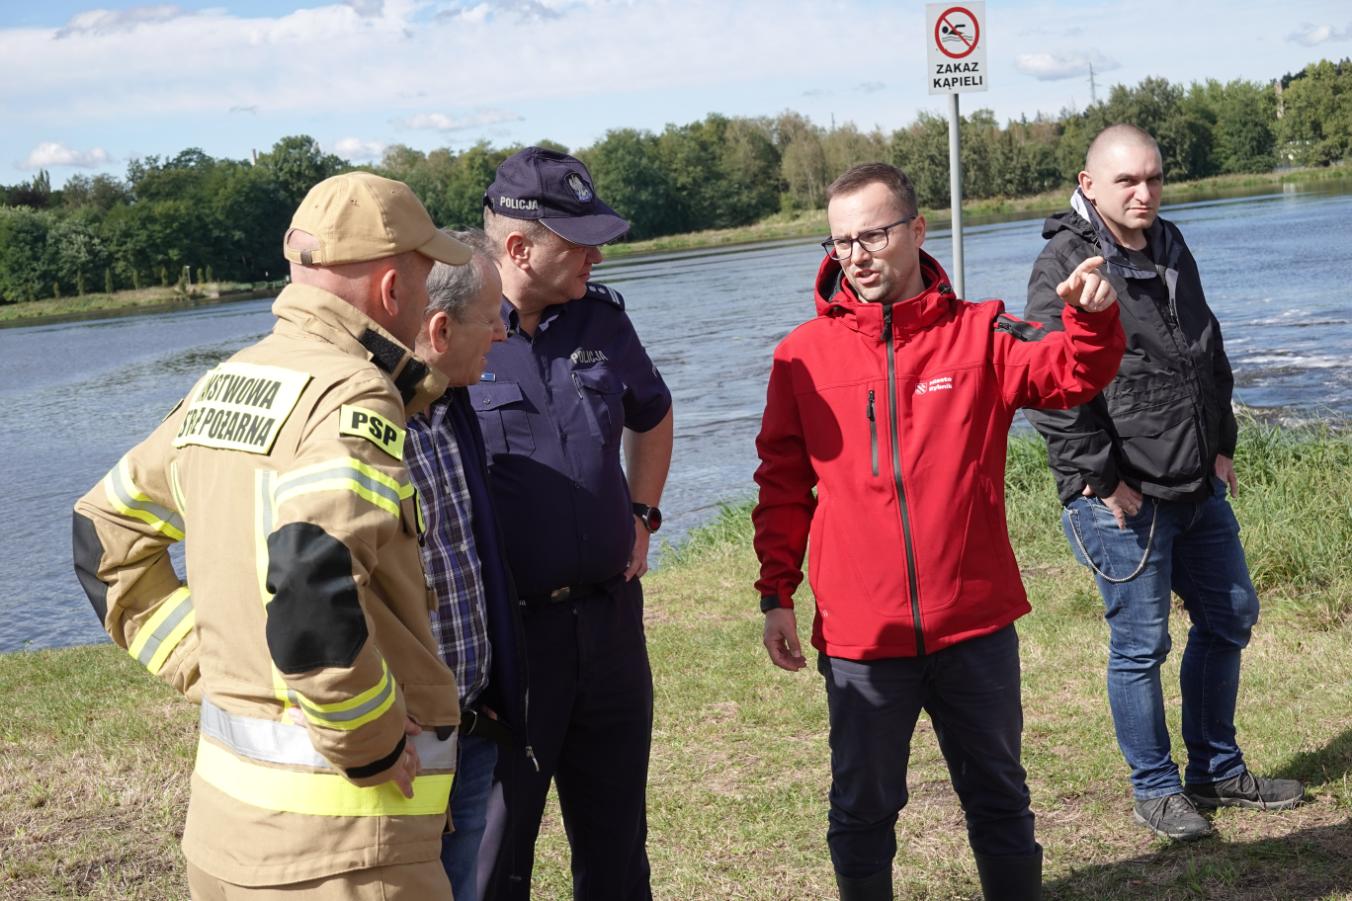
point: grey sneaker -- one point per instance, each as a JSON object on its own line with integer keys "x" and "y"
{"x": 1173, "y": 817}
{"x": 1248, "y": 790}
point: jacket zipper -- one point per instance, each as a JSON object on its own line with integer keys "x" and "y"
{"x": 872, "y": 433}
{"x": 901, "y": 489}
{"x": 1173, "y": 326}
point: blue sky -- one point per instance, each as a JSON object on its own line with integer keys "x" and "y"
{"x": 85, "y": 88}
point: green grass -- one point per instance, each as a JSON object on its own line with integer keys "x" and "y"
{"x": 94, "y": 756}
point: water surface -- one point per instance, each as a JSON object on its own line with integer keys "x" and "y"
{"x": 1276, "y": 269}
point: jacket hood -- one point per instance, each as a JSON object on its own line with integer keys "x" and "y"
{"x": 1084, "y": 222}
{"x": 1069, "y": 221}
{"x": 836, "y": 298}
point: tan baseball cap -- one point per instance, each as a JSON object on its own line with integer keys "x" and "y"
{"x": 360, "y": 216}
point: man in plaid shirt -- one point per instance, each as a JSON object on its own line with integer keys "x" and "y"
{"x": 473, "y": 623}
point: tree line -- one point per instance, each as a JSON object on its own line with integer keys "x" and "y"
{"x": 193, "y": 217}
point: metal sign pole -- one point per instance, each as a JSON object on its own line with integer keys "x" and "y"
{"x": 955, "y": 190}
{"x": 957, "y": 63}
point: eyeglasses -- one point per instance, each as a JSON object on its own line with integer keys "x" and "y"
{"x": 873, "y": 240}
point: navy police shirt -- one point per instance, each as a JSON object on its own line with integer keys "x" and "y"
{"x": 552, "y": 409}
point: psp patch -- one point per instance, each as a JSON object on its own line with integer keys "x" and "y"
{"x": 240, "y": 406}
{"x": 363, "y": 423}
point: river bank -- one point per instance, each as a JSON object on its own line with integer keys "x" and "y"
{"x": 804, "y": 225}
{"x": 95, "y": 755}
{"x": 812, "y": 223}
{"x": 710, "y": 321}
{"x": 141, "y": 300}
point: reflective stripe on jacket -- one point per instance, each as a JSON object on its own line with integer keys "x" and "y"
{"x": 283, "y": 468}
{"x": 272, "y": 764}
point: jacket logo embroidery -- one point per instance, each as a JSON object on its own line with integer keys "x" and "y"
{"x": 941, "y": 383}
{"x": 363, "y": 423}
{"x": 240, "y": 406}
{"x": 581, "y": 356}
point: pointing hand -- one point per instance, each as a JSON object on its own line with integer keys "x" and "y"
{"x": 1086, "y": 289}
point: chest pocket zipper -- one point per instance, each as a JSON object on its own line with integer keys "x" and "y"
{"x": 872, "y": 433}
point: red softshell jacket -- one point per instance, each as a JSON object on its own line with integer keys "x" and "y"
{"x": 899, "y": 415}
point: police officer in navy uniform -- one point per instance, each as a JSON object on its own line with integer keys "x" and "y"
{"x": 569, "y": 388}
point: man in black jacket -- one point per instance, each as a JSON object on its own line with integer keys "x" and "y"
{"x": 1142, "y": 470}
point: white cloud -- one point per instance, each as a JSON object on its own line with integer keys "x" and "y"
{"x": 357, "y": 150}
{"x": 367, "y": 8}
{"x": 50, "y": 154}
{"x": 569, "y": 70}
{"x": 98, "y": 22}
{"x": 1313, "y": 35}
{"x": 475, "y": 15}
{"x": 515, "y": 10}
{"x": 195, "y": 64}
{"x": 1058, "y": 66}
{"x": 443, "y": 122}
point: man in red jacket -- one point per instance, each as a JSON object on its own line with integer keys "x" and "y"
{"x": 895, "y": 403}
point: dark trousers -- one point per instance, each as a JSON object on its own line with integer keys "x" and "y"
{"x": 591, "y": 709}
{"x": 971, "y": 693}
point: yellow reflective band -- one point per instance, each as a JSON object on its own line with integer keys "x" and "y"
{"x": 129, "y": 500}
{"x": 159, "y": 635}
{"x": 316, "y": 794}
{"x": 346, "y": 474}
{"x": 354, "y": 712}
{"x": 263, "y": 519}
{"x": 363, "y": 423}
{"x": 280, "y": 741}
{"x": 176, "y": 489}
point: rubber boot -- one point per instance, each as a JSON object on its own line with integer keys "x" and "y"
{"x": 1011, "y": 878}
{"x": 877, "y": 887}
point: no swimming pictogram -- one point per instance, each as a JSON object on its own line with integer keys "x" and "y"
{"x": 957, "y": 48}
{"x": 957, "y": 32}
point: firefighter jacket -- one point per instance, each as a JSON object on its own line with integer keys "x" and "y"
{"x": 898, "y": 415}
{"x": 303, "y": 628}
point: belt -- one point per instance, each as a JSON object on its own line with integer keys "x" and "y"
{"x": 573, "y": 592}
{"x": 472, "y": 722}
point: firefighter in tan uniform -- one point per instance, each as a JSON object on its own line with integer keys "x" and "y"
{"x": 327, "y": 744}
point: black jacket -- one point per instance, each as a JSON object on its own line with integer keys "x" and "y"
{"x": 1161, "y": 422}
{"x": 506, "y": 691}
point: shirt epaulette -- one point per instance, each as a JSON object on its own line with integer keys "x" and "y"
{"x": 609, "y": 295}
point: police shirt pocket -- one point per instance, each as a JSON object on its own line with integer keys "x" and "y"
{"x": 503, "y": 416}
{"x": 602, "y": 395}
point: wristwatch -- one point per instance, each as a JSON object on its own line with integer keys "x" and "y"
{"x": 772, "y": 602}
{"x": 651, "y": 517}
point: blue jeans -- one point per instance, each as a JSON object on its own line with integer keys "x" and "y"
{"x": 469, "y": 809}
{"x": 971, "y": 692}
{"x": 1190, "y": 548}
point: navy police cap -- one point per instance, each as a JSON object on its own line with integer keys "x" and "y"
{"x": 555, "y": 189}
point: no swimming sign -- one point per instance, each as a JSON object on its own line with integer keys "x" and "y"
{"x": 956, "y": 36}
